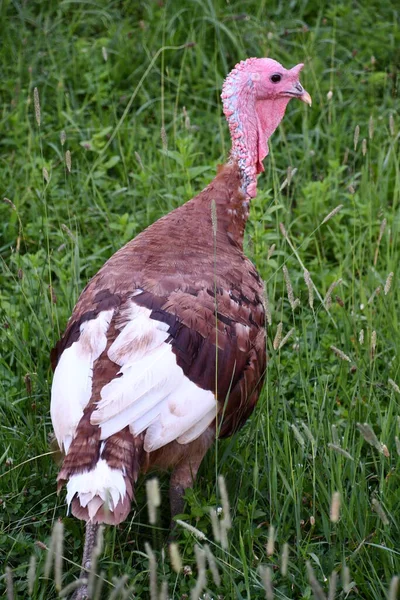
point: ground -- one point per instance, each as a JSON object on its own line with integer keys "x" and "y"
{"x": 135, "y": 87}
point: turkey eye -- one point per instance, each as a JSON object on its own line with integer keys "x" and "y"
{"x": 276, "y": 78}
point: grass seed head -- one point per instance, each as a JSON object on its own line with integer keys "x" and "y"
{"x": 224, "y": 498}
{"x": 361, "y": 337}
{"x": 373, "y": 343}
{"x": 310, "y": 287}
{"x": 283, "y": 231}
{"x": 40, "y": 545}
{"x": 196, "y": 532}
{"x": 36, "y": 103}
{"x": 332, "y": 213}
{"x": 328, "y": 296}
{"x": 394, "y": 588}
{"x": 335, "y": 507}
{"x": 153, "y": 499}
{"x": 397, "y": 442}
{"x": 31, "y": 575}
{"x": 339, "y": 301}
{"x": 68, "y": 161}
{"x": 291, "y": 172}
{"x": 271, "y": 541}
{"x": 104, "y": 53}
{"x": 364, "y": 147}
{"x": 63, "y": 137}
{"x": 266, "y": 578}
{"x": 46, "y": 175}
{"x": 371, "y": 127}
{"x": 337, "y": 448}
{"x": 285, "y": 339}
{"x": 176, "y": 560}
{"x": 10, "y": 203}
{"x": 225, "y": 523}
{"x": 71, "y": 587}
{"x": 163, "y": 591}
{"x": 314, "y": 584}
{"x": 271, "y": 250}
{"x": 378, "y": 508}
{"x": 119, "y": 584}
{"x": 278, "y": 336}
{"x": 164, "y": 138}
{"x": 346, "y": 579}
{"x": 298, "y": 435}
{"x": 152, "y": 571}
{"x": 293, "y": 303}
{"x": 382, "y": 229}
{"x": 284, "y": 559}
{"x": 332, "y": 586}
{"x": 225, "y": 502}
{"x": 212, "y": 564}
{"x": 55, "y": 546}
{"x": 215, "y": 525}
{"x": 394, "y": 385}
{"x": 375, "y": 293}
{"x": 187, "y": 118}
{"x": 369, "y": 435}
{"x": 340, "y": 354}
{"x": 268, "y": 313}
{"x": 58, "y": 532}
{"x": 391, "y": 125}
{"x": 296, "y": 303}
{"x": 335, "y": 435}
{"x": 311, "y": 438}
{"x": 388, "y": 283}
{"x": 139, "y": 159}
{"x": 356, "y": 136}
{"x": 68, "y": 232}
{"x": 201, "y": 573}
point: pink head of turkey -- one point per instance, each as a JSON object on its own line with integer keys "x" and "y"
{"x": 255, "y": 96}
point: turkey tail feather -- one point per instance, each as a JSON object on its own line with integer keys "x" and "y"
{"x": 100, "y": 475}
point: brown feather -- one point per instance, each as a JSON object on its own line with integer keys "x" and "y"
{"x": 209, "y": 294}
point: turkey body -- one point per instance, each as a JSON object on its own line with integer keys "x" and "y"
{"x": 164, "y": 351}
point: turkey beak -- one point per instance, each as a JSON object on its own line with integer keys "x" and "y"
{"x": 299, "y": 92}
{"x": 305, "y": 97}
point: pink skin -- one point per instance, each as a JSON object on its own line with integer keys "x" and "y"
{"x": 254, "y": 106}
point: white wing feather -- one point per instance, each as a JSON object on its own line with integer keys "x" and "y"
{"x": 185, "y": 408}
{"x": 72, "y": 381}
{"x": 151, "y": 391}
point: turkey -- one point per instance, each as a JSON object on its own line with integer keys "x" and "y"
{"x": 165, "y": 349}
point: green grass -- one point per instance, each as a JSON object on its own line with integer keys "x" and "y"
{"x": 281, "y": 469}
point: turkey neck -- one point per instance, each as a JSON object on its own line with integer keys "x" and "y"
{"x": 231, "y": 203}
{"x": 251, "y": 122}
{"x": 244, "y": 136}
